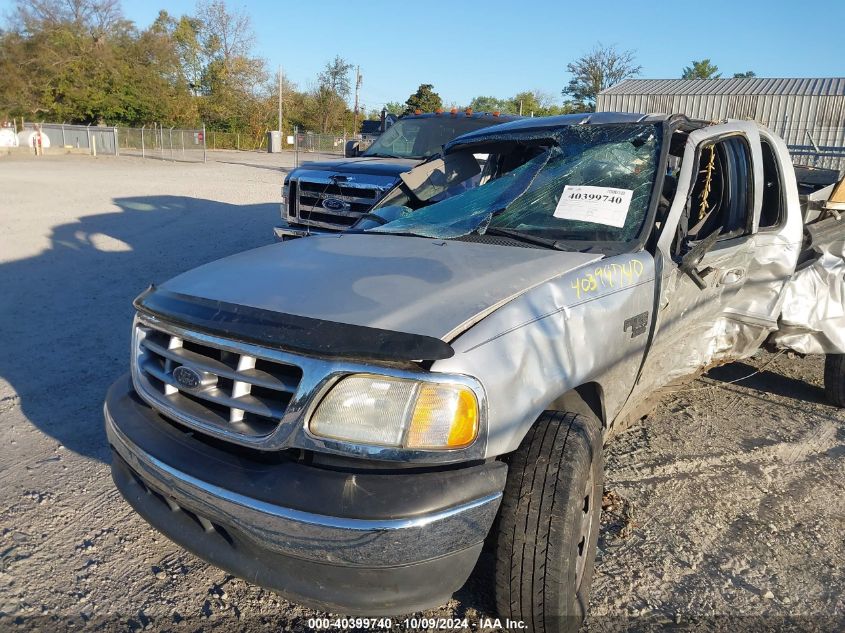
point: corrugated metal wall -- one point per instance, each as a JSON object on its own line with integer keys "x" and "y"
{"x": 804, "y": 121}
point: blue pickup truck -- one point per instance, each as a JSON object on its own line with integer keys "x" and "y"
{"x": 332, "y": 195}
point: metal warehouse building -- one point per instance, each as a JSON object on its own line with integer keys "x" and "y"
{"x": 808, "y": 113}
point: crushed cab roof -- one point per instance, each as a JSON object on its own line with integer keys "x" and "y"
{"x": 551, "y": 123}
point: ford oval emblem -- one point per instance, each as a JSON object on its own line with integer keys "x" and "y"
{"x": 333, "y": 204}
{"x": 187, "y": 377}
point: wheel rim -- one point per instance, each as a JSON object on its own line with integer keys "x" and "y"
{"x": 583, "y": 545}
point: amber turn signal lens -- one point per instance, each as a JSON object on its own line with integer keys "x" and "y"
{"x": 465, "y": 425}
{"x": 445, "y": 416}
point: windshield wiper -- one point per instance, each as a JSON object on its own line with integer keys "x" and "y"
{"x": 525, "y": 237}
{"x": 377, "y": 155}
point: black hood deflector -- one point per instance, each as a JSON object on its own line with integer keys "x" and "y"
{"x": 289, "y": 332}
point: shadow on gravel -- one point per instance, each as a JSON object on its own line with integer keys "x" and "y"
{"x": 276, "y": 168}
{"x": 769, "y": 382}
{"x": 66, "y": 313}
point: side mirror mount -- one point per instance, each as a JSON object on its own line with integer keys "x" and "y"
{"x": 692, "y": 259}
{"x": 351, "y": 149}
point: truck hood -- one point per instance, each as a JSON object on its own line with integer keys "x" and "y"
{"x": 365, "y": 165}
{"x": 404, "y": 284}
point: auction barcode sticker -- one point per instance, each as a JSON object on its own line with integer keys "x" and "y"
{"x": 601, "y": 205}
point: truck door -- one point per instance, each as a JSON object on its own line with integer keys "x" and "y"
{"x": 718, "y": 296}
{"x": 776, "y": 240}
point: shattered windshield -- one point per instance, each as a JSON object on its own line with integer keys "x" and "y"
{"x": 582, "y": 182}
{"x": 423, "y": 137}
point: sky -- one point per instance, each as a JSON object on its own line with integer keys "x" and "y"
{"x": 490, "y": 47}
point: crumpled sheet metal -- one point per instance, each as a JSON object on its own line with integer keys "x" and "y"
{"x": 704, "y": 343}
{"x": 563, "y": 333}
{"x": 699, "y": 333}
{"x": 813, "y": 316}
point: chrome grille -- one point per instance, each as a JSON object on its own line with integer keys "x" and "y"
{"x": 236, "y": 393}
{"x": 353, "y": 199}
{"x": 335, "y": 191}
{"x": 311, "y": 195}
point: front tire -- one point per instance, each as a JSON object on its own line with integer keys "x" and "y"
{"x": 834, "y": 379}
{"x": 549, "y": 523}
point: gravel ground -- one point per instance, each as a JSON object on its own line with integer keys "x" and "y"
{"x": 723, "y": 510}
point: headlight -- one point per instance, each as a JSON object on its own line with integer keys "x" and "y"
{"x": 381, "y": 411}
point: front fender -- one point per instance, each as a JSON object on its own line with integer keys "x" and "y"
{"x": 588, "y": 325}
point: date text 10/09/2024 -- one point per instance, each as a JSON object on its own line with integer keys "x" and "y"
{"x": 412, "y": 624}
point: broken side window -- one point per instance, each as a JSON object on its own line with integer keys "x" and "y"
{"x": 721, "y": 196}
{"x": 774, "y": 197}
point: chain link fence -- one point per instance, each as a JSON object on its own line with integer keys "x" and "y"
{"x": 94, "y": 138}
{"x": 242, "y": 141}
{"x": 158, "y": 142}
{"x": 308, "y": 146}
{"x": 174, "y": 144}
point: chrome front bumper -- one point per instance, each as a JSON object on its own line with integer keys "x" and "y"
{"x": 285, "y": 232}
{"x": 382, "y": 565}
{"x": 313, "y": 536}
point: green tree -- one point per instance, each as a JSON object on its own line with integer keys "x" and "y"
{"x": 489, "y": 104}
{"x": 157, "y": 88}
{"x": 394, "y": 107}
{"x": 525, "y": 103}
{"x": 702, "y": 69}
{"x": 80, "y": 61}
{"x": 531, "y": 103}
{"x": 424, "y": 99}
{"x": 95, "y": 17}
{"x": 329, "y": 96}
{"x": 599, "y": 69}
{"x": 231, "y": 79}
{"x": 186, "y": 39}
{"x": 18, "y": 93}
{"x": 534, "y": 103}
{"x": 746, "y": 75}
{"x": 335, "y": 76}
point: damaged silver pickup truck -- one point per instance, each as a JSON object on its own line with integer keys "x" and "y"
{"x": 348, "y": 419}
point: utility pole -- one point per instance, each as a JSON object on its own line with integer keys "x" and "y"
{"x": 357, "y": 88}
{"x": 520, "y": 107}
{"x": 280, "y": 99}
